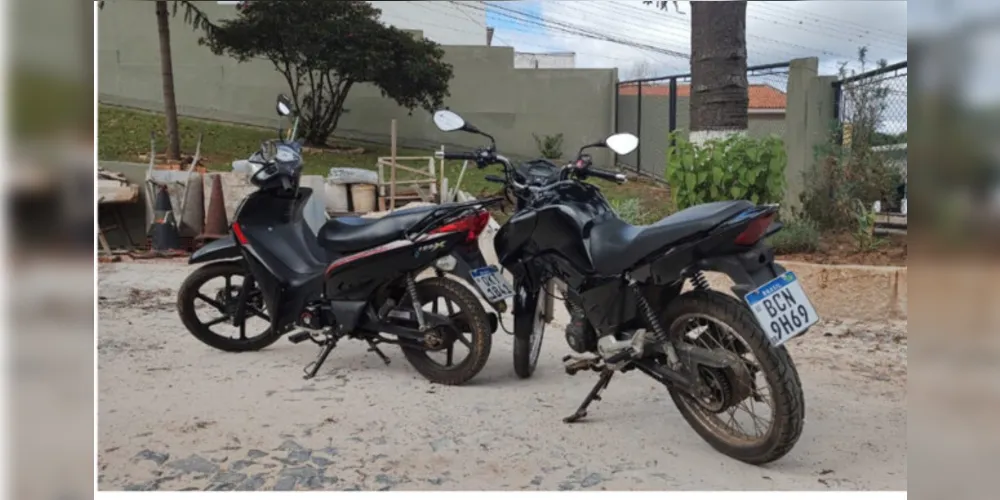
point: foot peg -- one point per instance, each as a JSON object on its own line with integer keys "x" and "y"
{"x": 300, "y": 337}
{"x": 574, "y": 364}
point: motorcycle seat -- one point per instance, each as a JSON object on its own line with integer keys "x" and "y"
{"x": 617, "y": 245}
{"x": 353, "y": 234}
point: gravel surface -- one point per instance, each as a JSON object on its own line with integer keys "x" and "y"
{"x": 175, "y": 414}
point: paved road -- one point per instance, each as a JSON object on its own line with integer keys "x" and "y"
{"x": 175, "y": 415}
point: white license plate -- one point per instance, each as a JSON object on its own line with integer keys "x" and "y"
{"x": 782, "y": 308}
{"x": 494, "y": 287}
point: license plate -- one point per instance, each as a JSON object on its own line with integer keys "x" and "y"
{"x": 494, "y": 287}
{"x": 782, "y": 308}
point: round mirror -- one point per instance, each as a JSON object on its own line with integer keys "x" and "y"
{"x": 447, "y": 121}
{"x": 284, "y": 105}
{"x": 622, "y": 144}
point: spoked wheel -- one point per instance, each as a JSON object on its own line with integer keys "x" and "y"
{"x": 207, "y": 302}
{"x": 755, "y": 424}
{"x": 530, "y": 317}
{"x": 453, "y": 355}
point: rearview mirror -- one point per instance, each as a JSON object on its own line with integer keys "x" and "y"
{"x": 284, "y": 105}
{"x": 622, "y": 144}
{"x": 448, "y": 121}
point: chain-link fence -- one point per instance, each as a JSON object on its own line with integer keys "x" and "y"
{"x": 871, "y": 109}
{"x": 652, "y": 108}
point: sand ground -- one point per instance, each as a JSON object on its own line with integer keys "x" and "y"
{"x": 174, "y": 414}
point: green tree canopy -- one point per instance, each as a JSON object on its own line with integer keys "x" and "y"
{"x": 324, "y": 48}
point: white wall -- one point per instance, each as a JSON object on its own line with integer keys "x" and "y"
{"x": 443, "y": 22}
{"x": 544, "y": 61}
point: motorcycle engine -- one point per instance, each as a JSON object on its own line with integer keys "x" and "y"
{"x": 580, "y": 335}
{"x": 315, "y": 317}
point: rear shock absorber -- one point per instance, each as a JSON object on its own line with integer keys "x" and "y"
{"x": 700, "y": 281}
{"x": 418, "y": 308}
{"x": 659, "y": 335}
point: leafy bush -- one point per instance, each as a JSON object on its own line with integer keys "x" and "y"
{"x": 800, "y": 235}
{"x": 631, "y": 210}
{"x": 549, "y": 146}
{"x": 737, "y": 167}
{"x": 847, "y": 167}
{"x": 864, "y": 229}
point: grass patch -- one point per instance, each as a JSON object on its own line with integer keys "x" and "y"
{"x": 799, "y": 235}
{"x": 123, "y": 135}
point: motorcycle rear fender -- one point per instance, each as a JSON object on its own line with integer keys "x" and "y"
{"x": 220, "y": 249}
{"x": 748, "y": 269}
{"x": 467, "y": 258}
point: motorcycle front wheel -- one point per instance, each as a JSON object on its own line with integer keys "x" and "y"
{"x": 219, "y": 307}
{"x": 529, "y": 330}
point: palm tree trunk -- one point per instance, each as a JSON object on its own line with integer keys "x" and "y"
{"x": 719, "y": 97}
{"x": 166, "y": 68}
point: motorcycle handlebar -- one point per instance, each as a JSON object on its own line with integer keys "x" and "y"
{"x": 460, "y": 156}
{"x": 608, "y": 176}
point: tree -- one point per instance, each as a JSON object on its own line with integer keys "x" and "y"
{"x": 198, "y": 20}
{"x": 719, "y": 97}
{"x": 325, "y": 48}
{"x": 639, "y": 70}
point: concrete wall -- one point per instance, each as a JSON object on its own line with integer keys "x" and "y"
{"x": 487, "y": 90}
{"x": 527, "y": 60}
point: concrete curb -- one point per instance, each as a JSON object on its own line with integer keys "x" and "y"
{"x": 847, "y": 291}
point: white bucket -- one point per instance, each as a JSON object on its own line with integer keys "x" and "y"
{"x": 336, "y": 197}
{"x": 363, "y": 198}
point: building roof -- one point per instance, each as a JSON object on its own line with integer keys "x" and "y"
{"x": 761, "y": 96}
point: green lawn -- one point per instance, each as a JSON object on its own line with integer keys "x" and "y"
{"x": 123, "y": 135}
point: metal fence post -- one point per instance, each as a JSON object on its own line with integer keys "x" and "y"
{"x": 618, "y": 91}
{"x": 638, "y": 129}
{"x": 673, "y": 109}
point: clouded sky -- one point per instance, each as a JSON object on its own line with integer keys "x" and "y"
{"x": 833, "y": 31}
{"x": 776, "y": 31}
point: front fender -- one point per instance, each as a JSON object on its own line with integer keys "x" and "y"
{"x": 220, "y": 249}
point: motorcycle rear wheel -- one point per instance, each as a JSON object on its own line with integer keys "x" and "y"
{"x": 713, "y": 314}
{"x": 474, "y": 323}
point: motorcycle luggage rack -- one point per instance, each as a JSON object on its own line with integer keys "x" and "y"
{"x": 447, "y": 213}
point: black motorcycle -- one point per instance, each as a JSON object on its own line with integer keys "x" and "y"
{"x": 717, "y": 354}
{"x": 356, "y": 278}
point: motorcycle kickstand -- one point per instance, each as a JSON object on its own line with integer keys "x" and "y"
{"x": 374, "y": 348}
{"x": 324, "y": 351}
{"x": 594, "y": 395}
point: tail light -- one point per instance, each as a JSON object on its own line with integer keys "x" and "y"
{"x": 238, "y": 232}
{"x": 755, "y": 230}
{"x": 471, "y": 225}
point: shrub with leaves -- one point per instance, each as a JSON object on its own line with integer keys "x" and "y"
{"x": 631, "y": 210}
{"x": 549, "y": 146}
{"x": 735, "y": 168}
{"x": 799, "y": 235}
{"x": 849, "y": 168}
{"x": 864, "y": 228}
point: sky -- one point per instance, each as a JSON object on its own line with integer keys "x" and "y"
{"x": 833, "y": 31}
{"x": 776, "y": 31}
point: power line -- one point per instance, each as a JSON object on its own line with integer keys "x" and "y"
{"x": 582, "y": 32}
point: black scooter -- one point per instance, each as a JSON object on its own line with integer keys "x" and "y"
{"x": 356, "y": 278}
